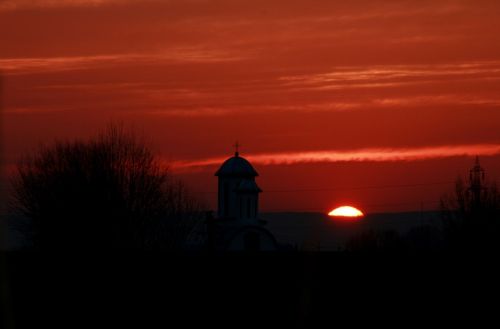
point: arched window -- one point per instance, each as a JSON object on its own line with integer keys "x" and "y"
{"x": 241, "y": 206}
{"x": 249, "y": 207}
{"x": 226, "y": 199}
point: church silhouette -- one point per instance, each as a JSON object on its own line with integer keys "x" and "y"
{"x": 237, "y": 226}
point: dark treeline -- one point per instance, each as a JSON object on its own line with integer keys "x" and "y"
{"x": 104, "y": 193}
{"x": 469, "y": 222}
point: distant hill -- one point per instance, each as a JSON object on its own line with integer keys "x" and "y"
{"x": 307, "y": 231}
{"x": 317, "y": 231}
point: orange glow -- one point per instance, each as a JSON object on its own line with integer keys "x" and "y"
{"x": 346, "y": 211}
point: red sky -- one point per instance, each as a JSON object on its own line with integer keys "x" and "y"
{"x": 381, "y": 104}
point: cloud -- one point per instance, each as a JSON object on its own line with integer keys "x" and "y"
{"x": 31, "y": 110}
{"x": 360, "y": 155}
{"x": 11, "y": 66}
{"x": 442, "y": 99}
{"x": 376, "y": 76}
{"x": 7, "y": 5}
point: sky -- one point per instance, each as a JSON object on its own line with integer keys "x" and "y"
{"x": 378, "y": 104}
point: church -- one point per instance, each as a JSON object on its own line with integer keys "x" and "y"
{"x": 237, "y": 225}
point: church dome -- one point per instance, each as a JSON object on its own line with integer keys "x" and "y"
{"x": 236, "y": 166}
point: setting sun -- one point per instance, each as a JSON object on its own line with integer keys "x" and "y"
{"x": 346, "y": 211}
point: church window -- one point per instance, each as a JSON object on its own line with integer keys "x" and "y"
{"x": 249, "y": 207}
{"x": 241, "y": 207}
{"x": 226, "y": 199}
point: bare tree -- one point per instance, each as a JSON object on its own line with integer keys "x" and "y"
{"x": 108, "y": 192}
{"x": 471, "y": 220}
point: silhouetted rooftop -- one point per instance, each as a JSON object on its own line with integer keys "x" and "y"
{"x": 236, "y": 166}
{"x": 247, "y": 185}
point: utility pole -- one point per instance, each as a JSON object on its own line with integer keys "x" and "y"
{"x": 476, "y": 184}
{"x": 421, "y": 213}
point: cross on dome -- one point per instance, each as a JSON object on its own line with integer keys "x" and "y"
{"x": 236, "y": 148}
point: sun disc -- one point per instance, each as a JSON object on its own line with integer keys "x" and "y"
{"x": 346, "y": 211}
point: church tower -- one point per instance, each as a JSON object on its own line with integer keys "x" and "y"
{"x": 238, "y": 226}
{"x": 238, "y": 192}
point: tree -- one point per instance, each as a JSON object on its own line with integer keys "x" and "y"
{"x": 108, "y": 192}
{"x": 471, "y": 216}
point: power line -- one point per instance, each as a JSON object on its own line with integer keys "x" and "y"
{"x": 358, "y": 187}
{"x": 377, "y": 205}
{"x": 402, "y": 203}
{"x": 349, "y": 188}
